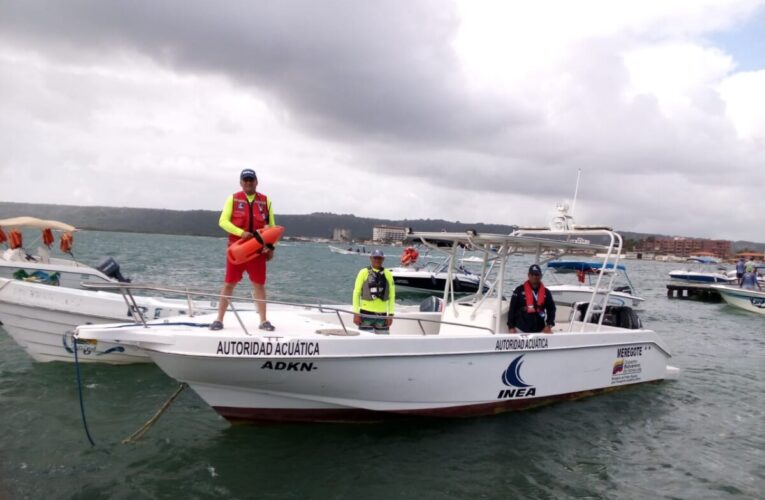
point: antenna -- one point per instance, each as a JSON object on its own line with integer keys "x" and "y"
{"x": 576, "y": 191}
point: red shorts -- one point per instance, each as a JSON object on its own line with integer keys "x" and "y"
{"x": 256, "y": 269}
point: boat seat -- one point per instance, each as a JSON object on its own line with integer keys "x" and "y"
{"x": 465, "y": 313}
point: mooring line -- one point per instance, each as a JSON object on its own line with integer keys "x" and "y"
{"x": 149, "y": 423}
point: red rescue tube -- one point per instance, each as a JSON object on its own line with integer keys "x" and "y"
{"x": 3, "y": 237}
{"x": 47, "y": 237}
{"x": 66, "y": 242}
{"x": 15, "y": 240}
{"x": 242, "y": 251}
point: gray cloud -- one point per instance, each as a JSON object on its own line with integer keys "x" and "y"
{"x": 382, "y": 81}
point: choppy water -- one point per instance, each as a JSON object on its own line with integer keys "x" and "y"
{"x": 702, "y": 436}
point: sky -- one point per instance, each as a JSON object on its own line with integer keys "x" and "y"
{"x": 475, "y": 111}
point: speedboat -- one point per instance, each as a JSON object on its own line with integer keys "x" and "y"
{"x": 458, "y": 360}
{"x": 749, "y": 300}
{"x": 43, "y": 299}
{"x": 349, "y": 251}
{"x": 706, "y": 277}
{"x": 563, "y": 293}
{"x": 432, "y": 277}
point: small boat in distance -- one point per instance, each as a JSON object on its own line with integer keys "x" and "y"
{"x": 349, "y": 251}
{"x": 718, "y": 276}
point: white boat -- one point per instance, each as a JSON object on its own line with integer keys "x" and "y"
{"x": 343, "y": 251}
{"x": 41, "y": 266}
{"x": 432, "y": 278}
{"x": 565, "y": 293}
{"x": 42, "y": 300}
{"x": 706, "y": 277}
{"x": 749, "y": 300}
{"x": 457, "y": 362}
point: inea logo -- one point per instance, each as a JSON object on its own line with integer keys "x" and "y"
{"x": 512, "y": 378}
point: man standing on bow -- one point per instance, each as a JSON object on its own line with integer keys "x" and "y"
{"x": 532, "y": 308}
{"x": 374, "y": 296}
{"x": 244, "y": 213}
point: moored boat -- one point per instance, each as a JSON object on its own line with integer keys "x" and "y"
{"x": 459, "y": 361}
{"x": 742, "y": 298}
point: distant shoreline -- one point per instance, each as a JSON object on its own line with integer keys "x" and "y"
{"x": 205, "y": 223}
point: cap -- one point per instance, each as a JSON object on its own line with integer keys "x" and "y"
{"x": 378, "y": 253}
{"x": 248, "y": 173}
{"x": 535, "y": 269}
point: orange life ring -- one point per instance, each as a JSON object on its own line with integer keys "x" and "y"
{"x": 65, "y": 244}
{"x": 243, "y": 251}
{"x": 3, "y": 237}
{"x": 47, "y": 237}
{"x": 15, "y": 240}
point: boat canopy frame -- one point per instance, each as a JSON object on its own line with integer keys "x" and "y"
{"x": 528, "y": 239}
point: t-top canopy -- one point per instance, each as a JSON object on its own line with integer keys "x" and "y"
{"x": 33, "y": 222}
{"x": 522, "y": 239}
{"x": 578, "y": 265}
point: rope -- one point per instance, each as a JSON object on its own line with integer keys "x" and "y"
{"x": 149, "y": 423}
{"x": 79, "y": 391}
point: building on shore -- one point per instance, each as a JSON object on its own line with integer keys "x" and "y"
{"x": 388, "y": 234}
{"x": 685, "y": 247}
{"x": 341, "y": 234}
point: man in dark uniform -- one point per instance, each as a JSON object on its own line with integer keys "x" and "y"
{"x": 532, "y": 309}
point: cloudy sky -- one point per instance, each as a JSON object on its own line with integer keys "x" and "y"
{"x": 466, "y": 110}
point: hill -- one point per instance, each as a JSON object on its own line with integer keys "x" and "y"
{"x": 205, "y": 222}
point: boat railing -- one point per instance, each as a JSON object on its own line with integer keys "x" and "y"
{"x": 126, "y": 289}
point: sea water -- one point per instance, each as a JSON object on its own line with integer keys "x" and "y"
{"x": 701, "y": 436}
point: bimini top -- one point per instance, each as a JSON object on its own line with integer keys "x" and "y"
{"x": 580, "y": 265}
{"x": 33, "y": 222}
{"x": 521, "y": 239}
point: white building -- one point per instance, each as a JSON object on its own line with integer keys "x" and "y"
{"x": 388, "y": 233}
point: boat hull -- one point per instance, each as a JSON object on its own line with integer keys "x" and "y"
{"x": 748, "y": 300}
{"x": 565, "y": 294}
{"x": 693, "y": 277}
{"x": 476, "y": 379}
{"x": 413, "y": 282}
{"x": 42, "y": 318}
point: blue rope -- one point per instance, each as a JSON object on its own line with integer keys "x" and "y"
{"x": 79, "y": 390}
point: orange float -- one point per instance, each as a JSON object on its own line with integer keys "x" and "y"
{"x": 243, "y": 251}
{"x": 47, "y": 237}
{"x": 66, "y": 242}
{"x": 15, "y": 240}
{"x": 409, "y": 256}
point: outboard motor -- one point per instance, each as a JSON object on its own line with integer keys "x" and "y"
{"x": 432, "y": 304}
{"x": 109, "y": 267}
{"x": 618, "y": 316}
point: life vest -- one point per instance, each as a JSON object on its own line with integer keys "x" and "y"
{"x": 376, "y": 285}
{"x": 47, "y": 237}
{"x": 65, "y": 242}
{"x": 539, "y": 306}
{"x": 249, "y": 216}
{"x": 15, "y": 240}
